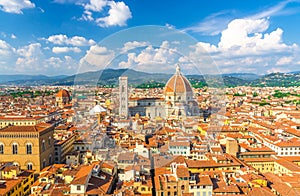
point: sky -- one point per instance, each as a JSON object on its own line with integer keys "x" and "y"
{"x": 64, "y": 37}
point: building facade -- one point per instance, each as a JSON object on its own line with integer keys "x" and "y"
{"x": 30, "y": 147}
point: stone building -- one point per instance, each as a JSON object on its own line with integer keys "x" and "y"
{"x": 30, "y": 147}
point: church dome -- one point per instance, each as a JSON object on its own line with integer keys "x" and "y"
{"x": 178, "y": 84}
{"x": 63, "y": 94}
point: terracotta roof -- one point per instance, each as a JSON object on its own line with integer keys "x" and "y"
{"x": 178, "y": 84}
{"x": 82, "y": 175}
{"x": 182, "y": 172}
{"x": 63, "y": 93}
{"x": 35, "y": 129}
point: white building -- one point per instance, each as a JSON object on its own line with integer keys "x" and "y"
{"x": 179, "y": 148}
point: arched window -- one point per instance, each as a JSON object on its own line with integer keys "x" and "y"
{"x": 44, "y": 163}
{"x": 28, "y": 148}
{"x": 182, "y": 187}
{"x": 14, "y": 148}
{"x": 1, "y": 148}
{"x": 43, "y": 146}
{"x": 29, "y": 166}
{"x": 49, "y": 141}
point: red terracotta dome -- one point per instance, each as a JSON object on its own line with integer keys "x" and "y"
{"x": 178, "y": 84}
{"x": 63, "y": 93}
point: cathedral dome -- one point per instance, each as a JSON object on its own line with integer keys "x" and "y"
{"x": 178, "y": 84}
{"x": 63, "y": 94}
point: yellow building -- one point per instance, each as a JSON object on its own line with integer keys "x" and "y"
{"x": 62, "y": 148}
{"x": 20, "y": 121}
{"x": 15, "y": 182}
{"x": 30, "y": 147}
{"x": 261, "y": 164}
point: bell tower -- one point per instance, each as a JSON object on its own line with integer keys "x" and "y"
{"x": 123, "y": 96}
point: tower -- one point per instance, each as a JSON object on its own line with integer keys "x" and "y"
{"x": 123, "y": 95}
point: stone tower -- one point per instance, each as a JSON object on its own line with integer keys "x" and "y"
{"x": 123, "y": 95}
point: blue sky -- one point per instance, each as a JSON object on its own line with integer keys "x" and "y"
{"x": 55, "y": 37}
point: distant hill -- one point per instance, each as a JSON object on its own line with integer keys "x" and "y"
{"x": 244, "y": 76}
{"x": 136, "y": 78}
{"x": 278, "y": 79}
{"x": 29, "y": 79}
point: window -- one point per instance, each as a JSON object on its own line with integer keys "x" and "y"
{"x": 49, "y": 141}
{"x": 29, "y": 166}
{"x": 15, "y": 148}
{"x": 28, "y": 148}
{"x": 50, "y": 160}
{"x": 43, "y": 146}
{"x": 78, "y": 188}
{"x": 44, "y": 163}
{"x": 1, "y": 149}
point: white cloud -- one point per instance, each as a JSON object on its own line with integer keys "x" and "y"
{"x": 30, "y": 58}
{"x": 15, "y": 6}
{"x": 245, "y": 45}
{"x": 5, "y": 49}
{"x": 284, "y": 60}
{"x": 132, "y": 45}
{"x": 13, "y": 36}
{"x": 95, "y": 5}
{"x": 97, "y": 57}
{"x": 54, "y": 62}
{"x": 118, "y": 15}
{"x": 238, "y": 30}
{"x": 152, "y": 59}
{"x": 58, "y": 50}
{"x": 61, "y": 39}
{"x": 65, "y": 64}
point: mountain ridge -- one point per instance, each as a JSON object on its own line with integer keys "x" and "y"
{"x": 110, "y": 77}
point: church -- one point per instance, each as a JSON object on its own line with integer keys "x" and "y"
{"x": 178, "y": 101}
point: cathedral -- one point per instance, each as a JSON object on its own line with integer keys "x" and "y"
{"x": 178, "y": 101}
{"x": 179, "y": 97}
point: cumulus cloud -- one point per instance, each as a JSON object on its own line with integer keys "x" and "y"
{"x": 152, "y": 59}
{"x": 243, "y": 44}
{"x": 97, "y": 57}
{"x": 58, "y": 50}
{"x": 118, "y": 14}
{"x": 284, "y": 60}
{"x": 65, "y": 63}
{"x": 5, "y": 49}
{"x": 15, "y": 6}
{"x": 54, "y": 62}
{"x": 61, "y": 39}
{"x": 95, "y": 5}
{"x": 30, "y": 57}
{"x": 132, "y": 45}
